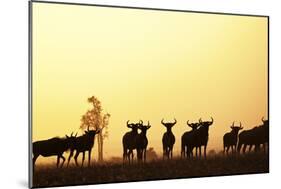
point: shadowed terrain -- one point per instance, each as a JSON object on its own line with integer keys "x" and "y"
{"x": 154, "y": 170}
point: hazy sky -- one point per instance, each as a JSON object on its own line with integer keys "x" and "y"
{"x": 149, "y": 65}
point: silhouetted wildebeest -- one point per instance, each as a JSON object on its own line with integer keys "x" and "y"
{"x": 168, "y": 139}
{"x": 200, "y": 137}
{"x": 254, "y": 137}
{"x": 129, "y": 141}
{"x": 142, "y": 142}
{"x": 185, "y": 139}
{"x": 53, "y": 147}
{"x": 230, "y": 139}
{"x": 82, "y": 144}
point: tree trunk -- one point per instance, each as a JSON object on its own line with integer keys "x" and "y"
{"x": 101, "y": 149}
{"x": 98, "y": 147}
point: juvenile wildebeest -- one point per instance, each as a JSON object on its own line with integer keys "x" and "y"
{"x": 82, "y": 144}
{"x": 254, "y": 137}
{"x": 185, "y": 139}
{"x": 129, "y": 141}
{"x": 53, "y": 147}
{"x": 230, "y": 139}
{"x": 168, "y": 139}
{"x": 200, "y": 137}
{"x": 142, "y": 142}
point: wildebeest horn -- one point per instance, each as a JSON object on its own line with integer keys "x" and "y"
{"x": 162, "y": 121}
{"x": 232, "y": 125}
{"x": 128, "y": 125}
{"x": 175, "y": 121}
{"x": 141, "y": 122}
{"x": 88, "y": 128}
{"x": 71, "y": 134}
{"x": 188, "y": 123}
{"x": 76, "y": 135}
{"x": 200, "y": 120}
{"x": 148, "y": 124}
{"x": 212, "y": 120}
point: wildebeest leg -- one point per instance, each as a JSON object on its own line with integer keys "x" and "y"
{"x": 244, "y": 148}
{"x": 257, "y": 147}
{"x": 75, "y": 157}
{"x": 89, "y": 157}
{"x": 34, "y": 159}
{"x": 205, "y": 154}
{"x": 70, "y": 156}
{"x": 124, "y": 155}
{"x": 196, "y": 151}
{"x": 250, "y": 148}
{"x": 144, "y": 155}
{"x": 132, "y": 152}
{"x": 172, "y": 152}
{"x": 199, "y": 151}
{"x": 232, "y": 149}
{"x": 58, "y": 161}
{"x": 63, "y": 160}
{"x": 227, "y": 149}
{"x": 83, "y": 158}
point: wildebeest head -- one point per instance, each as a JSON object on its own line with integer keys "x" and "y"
{"x": 236, "y": 128}
{"x": 206, "y": 123}
{"x": 92, "y": 133}
{"x": 134, "y": 126}
{"x": 168, "y": 125}
{"x": 144, "y": 128}
{"x": 194, "y": 126}
{"x": 71, "y": 140}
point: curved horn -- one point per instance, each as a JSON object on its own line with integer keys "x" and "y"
{"x": 76, "y": 135}
{"x": 141, "y": 122}
{"x": 71, "y": 134}
{"x": 88, "y": 128}
{"x": 175, "y": 121}
{"x": 148, "y": 124}
{"x": 162, "y": 121}
{"x": 128, "y": 125}
{"x": 200, "y": 120}
{"x": 212, "y": 120}
{"x": 232, "y": 125}
{"x": 188, "y": 123}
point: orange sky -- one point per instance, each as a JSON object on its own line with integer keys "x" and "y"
{"x": 149, "y": 65}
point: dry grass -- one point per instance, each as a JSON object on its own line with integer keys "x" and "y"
{"x": 107, "y": 172}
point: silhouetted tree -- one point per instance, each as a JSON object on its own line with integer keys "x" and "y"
{"x": 94, "y": 118}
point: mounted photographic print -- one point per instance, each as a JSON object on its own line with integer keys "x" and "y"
{"x": 121, "y": 94}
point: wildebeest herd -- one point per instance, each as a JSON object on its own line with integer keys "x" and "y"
{"x": 196, "y": 138}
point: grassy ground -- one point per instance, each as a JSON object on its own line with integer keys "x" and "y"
{"x": 177, "y": 168}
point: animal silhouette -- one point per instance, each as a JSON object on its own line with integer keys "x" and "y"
{"x": 53, "y": 147}
{"x": 83, "y": 144}
{"x": 230, "y": 138}
{"x": 168, "y": 139}
{"x": 129, "y": 141}
{"x": 185, "y": 139}
{"x": 200, "y": 137}
{"x": 254, "y": 137}
{"x": 142, "y": 142}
